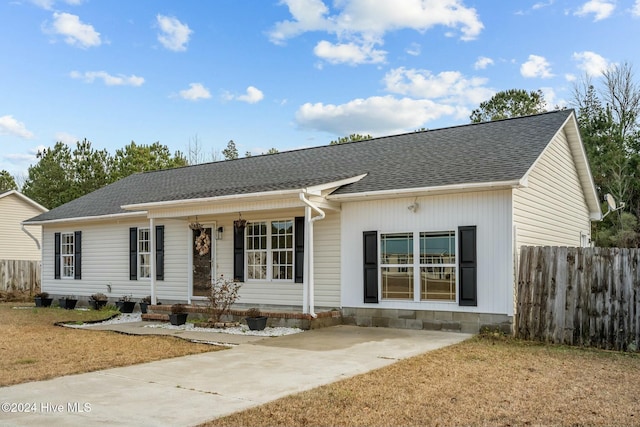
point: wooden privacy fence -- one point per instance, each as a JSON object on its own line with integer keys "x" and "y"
{"x": 579, "y": 296}
{"x": 17, "y": 275}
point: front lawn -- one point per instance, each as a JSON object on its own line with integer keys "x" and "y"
{"x": 484, "y": 381}
{"x": 32, "y": 348}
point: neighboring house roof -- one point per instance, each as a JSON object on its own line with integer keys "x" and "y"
{"x": 468, "y": 155}
{"x": 24, "y": 199}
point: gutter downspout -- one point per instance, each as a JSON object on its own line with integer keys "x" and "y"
{"x": 309, "y": 249}
{"x": 28, "y": 233}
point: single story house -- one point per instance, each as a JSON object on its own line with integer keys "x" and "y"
{"x": 18, "y": 242}
{"x": 419, "y": 230}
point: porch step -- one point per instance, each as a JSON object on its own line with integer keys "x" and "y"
{"x": 155, "y": 317}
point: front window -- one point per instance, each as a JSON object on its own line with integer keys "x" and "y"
{"x": 269, "y": 250}
{"x": 67, "y": 250}
{"x": 397, "y": 266}
{"x": 422, "y": 270}
{"x": 144, "y": 253}
{"x": 438, "y": 266}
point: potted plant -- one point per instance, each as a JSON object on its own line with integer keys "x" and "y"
{"x": 97, "y": 301}
{"x": 255, "y": 320}
{"x": 42, "y": 299}
{"x": 125, "y": 305}
{"x": 68, "y": 302}
{"x": 145, "y": 303}
{"x": 178, "y": 314}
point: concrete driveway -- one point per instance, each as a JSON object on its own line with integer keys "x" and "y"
{"x": 190, "y": 390}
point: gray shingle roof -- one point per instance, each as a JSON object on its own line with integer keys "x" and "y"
{"x": 474, "y": 153}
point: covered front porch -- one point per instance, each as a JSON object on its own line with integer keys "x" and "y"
{"x": 283, "y": 246}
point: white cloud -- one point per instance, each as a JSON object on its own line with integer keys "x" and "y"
{"x": 108, "y": 79}
{"x": 635, "y": 10}
{"x": 10, "y": 126}
{"x": 541, "y": 5}
{"x": 76, "y": 33}
{"x": 48, "y": 4}
{"x": 251, "y": 96}
{"x": 415, "y": 49}
{"x": 65, "y": 138}
{"x": 601, "y": 9}
{"x": 364, "y": 23}
{"x": 536, "y": 66}
{"x": 416, "y": 97}
{"x": 449, "y": 87}
{"x": 482, "y": 63}
{"x": 375, "y": 115}
{"x": 174, "y": 34}
{"x": 196, "y": 91}
{"x": 350, "y": 53}
{"x": 570, "y": 77}
{"x": 591, "y": 63}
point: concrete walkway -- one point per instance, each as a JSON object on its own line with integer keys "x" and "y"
{"x": 189, "y": 390}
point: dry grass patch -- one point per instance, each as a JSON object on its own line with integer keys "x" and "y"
{"x": 32, "y": 348}
{"x": 482, "y": 381}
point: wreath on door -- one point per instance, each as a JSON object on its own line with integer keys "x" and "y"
{"x": 203, "y": 243}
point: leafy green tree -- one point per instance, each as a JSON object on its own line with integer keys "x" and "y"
{"x": 135, "y": 158}
{"x": 51, "y": 180}
{"x": 509, "y": 103}
{"x": 91, "y": 168}
{"x": 354, "y": 137}
{"x": 231, "y": 152}
{"x": 273, "y": 151}
{"x": 7, "y": 182}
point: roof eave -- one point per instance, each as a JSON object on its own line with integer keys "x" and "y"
{"x": 87, "y": 218}
{"x": 443, "y": 189}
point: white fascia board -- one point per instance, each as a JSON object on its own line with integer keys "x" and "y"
{"x": 409, "y": 192}
{"x": 317, "y": 190}
{"x": 231, "y": 197}
{"x": 88, "y": 218}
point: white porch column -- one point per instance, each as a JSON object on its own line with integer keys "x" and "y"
{"x": 152, "y": 259}
{"x": 306, "y": 267}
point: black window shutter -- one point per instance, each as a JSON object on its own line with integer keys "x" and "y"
{"x": 238, "y": 254}
{"x": 370, "y": 255}
{"x": 133, "y": 253}
{"x": 77, "y": 242}
{"x": 299, "y": 250}
{"x": 467, "y": 263}
{"x": 160, "y": 252}
{"x": 56, "y": 258}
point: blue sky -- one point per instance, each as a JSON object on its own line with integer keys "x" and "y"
{"x": 286, "y": 74}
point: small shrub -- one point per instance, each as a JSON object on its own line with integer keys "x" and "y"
{"x": 146, "y": 300}
{"x": 252, "y": 312}
{"x": 223, "y": 294}
{"x": 42, "y": 295}
{"x": 178, "y": 309}
{"x": 125, "y": 298}
{"x": 99, "y": 297}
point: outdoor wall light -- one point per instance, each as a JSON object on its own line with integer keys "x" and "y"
{"x": 219, "y": 233}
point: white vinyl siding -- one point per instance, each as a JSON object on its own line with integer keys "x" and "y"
{"x": 14, "y": 242}
{"x": 551, "y": 210}
{"x": 105, "y": 261}
{"x": 489, "y": 211}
